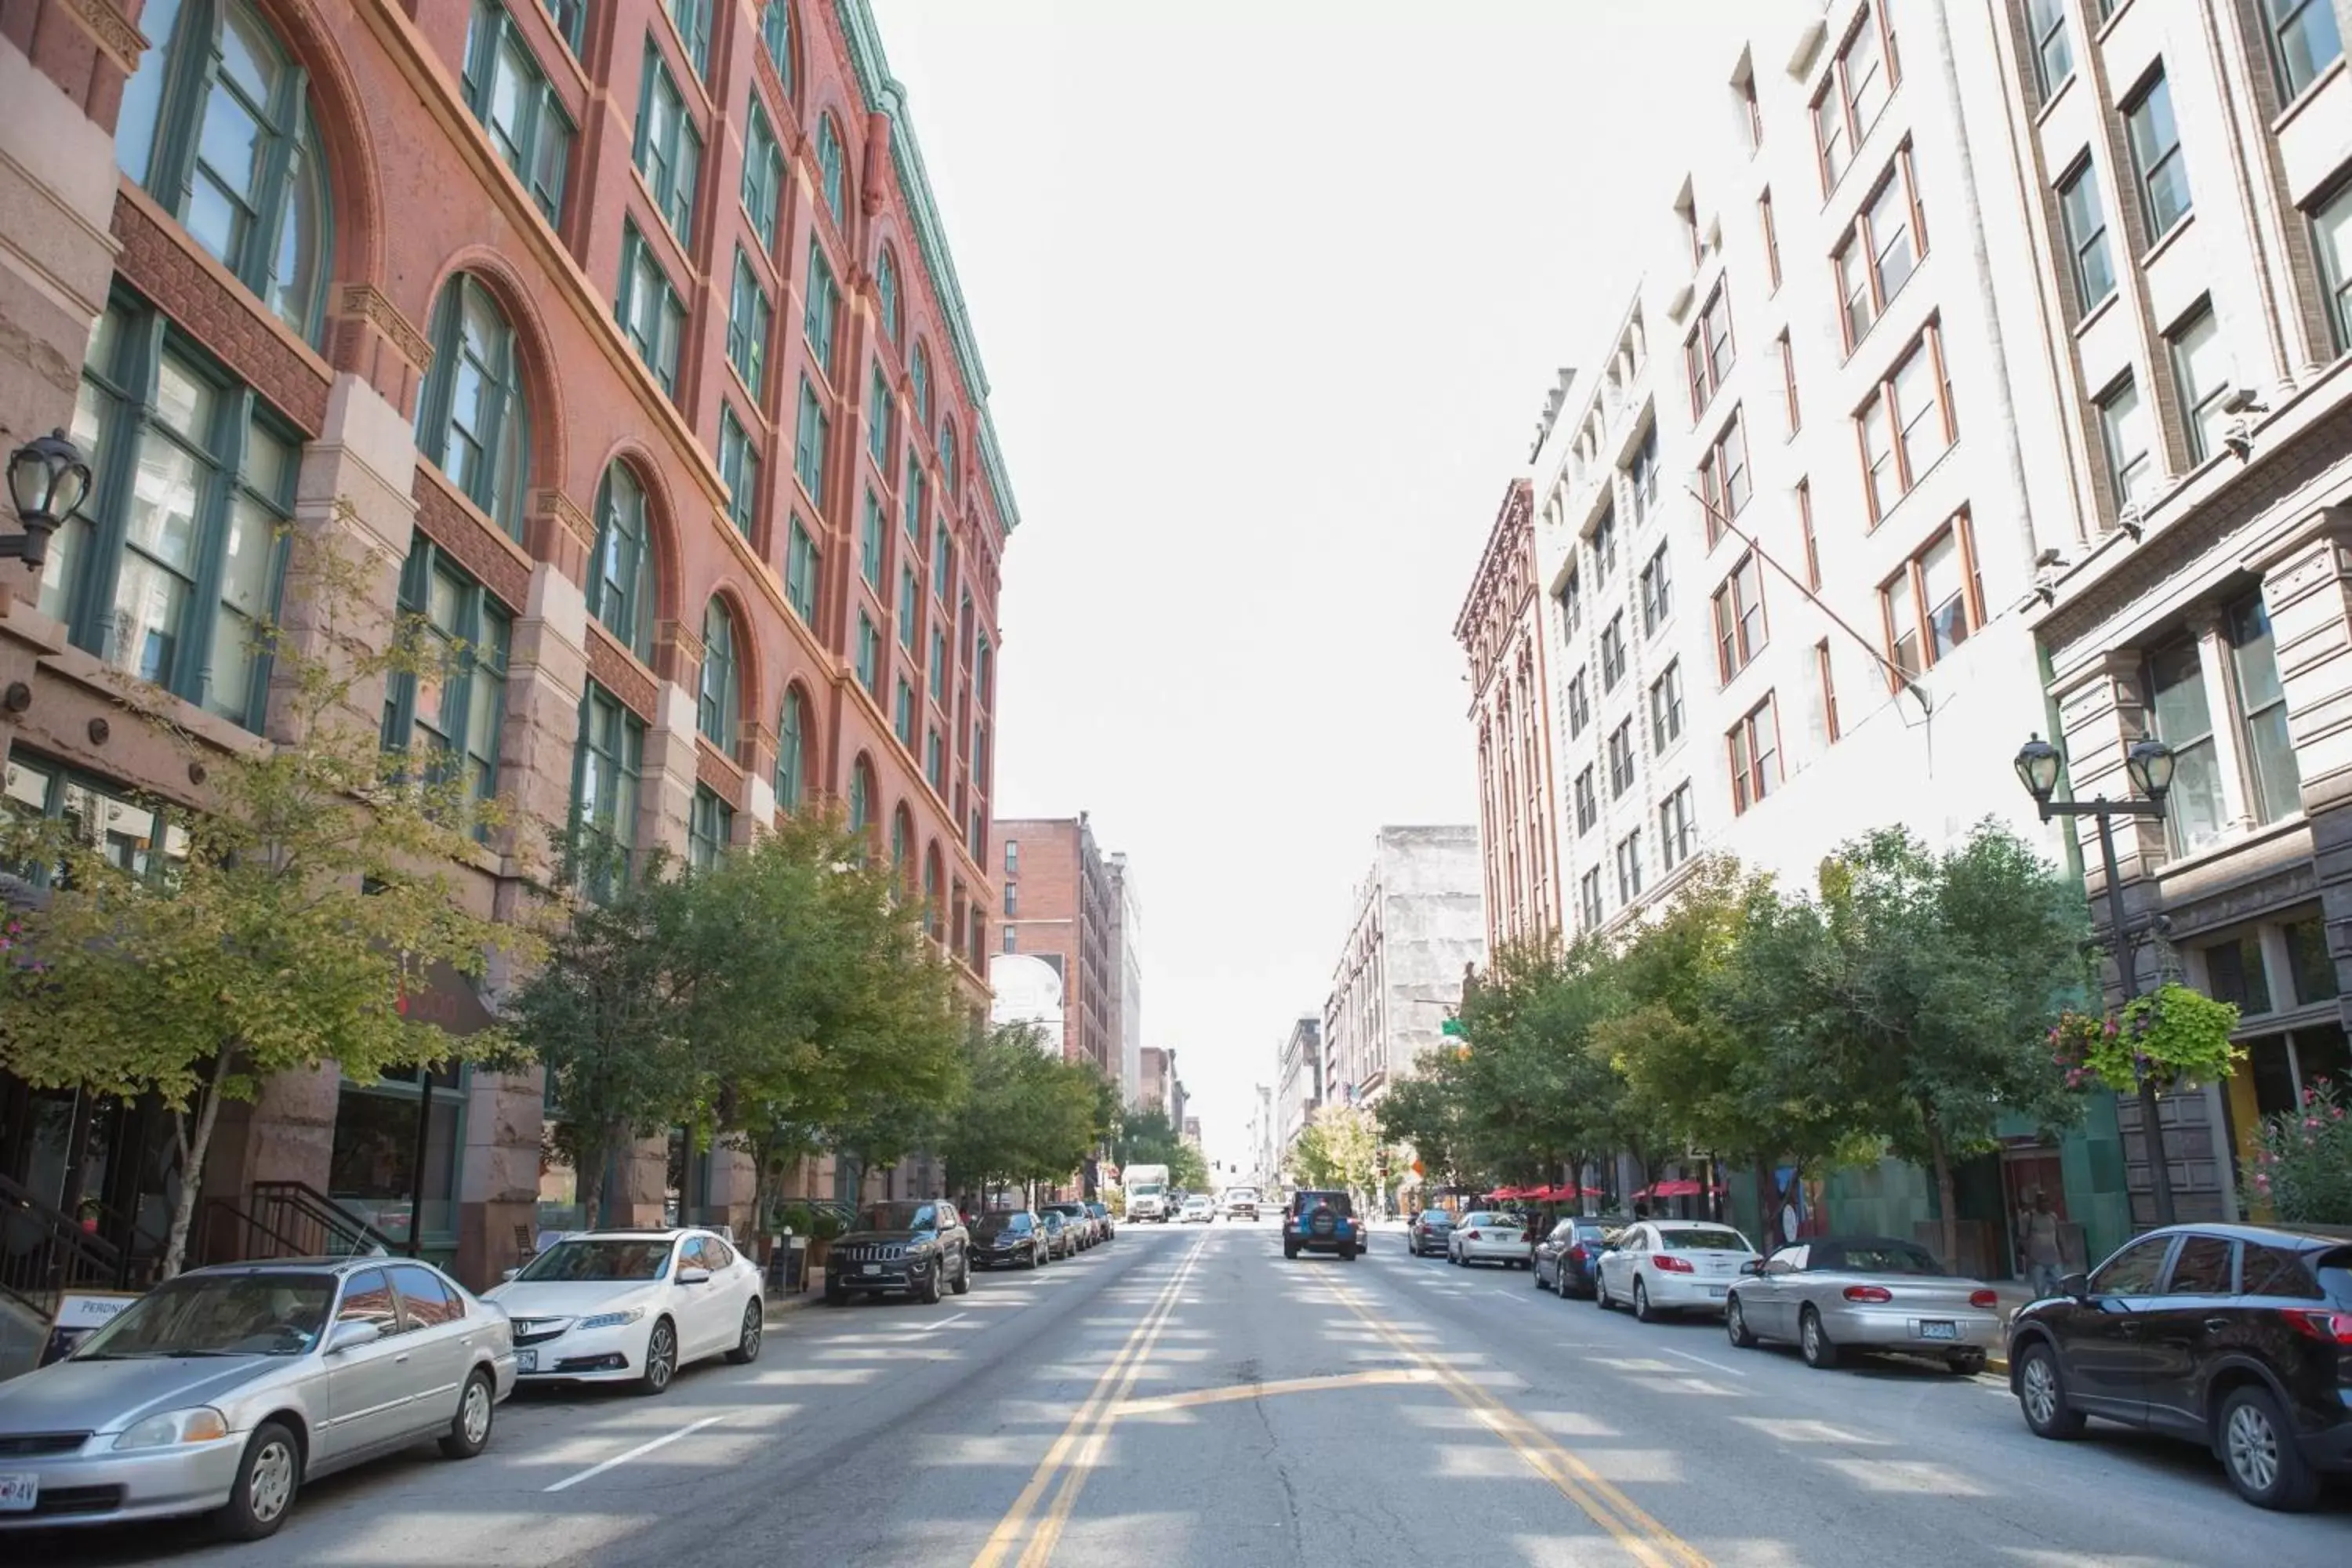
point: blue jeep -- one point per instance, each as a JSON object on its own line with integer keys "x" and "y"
{"x": 1321, "y": 1222}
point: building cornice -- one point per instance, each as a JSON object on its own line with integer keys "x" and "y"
{"x": 1513, "y": 530}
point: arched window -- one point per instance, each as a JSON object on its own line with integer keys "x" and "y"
{"x": 776, "y": 33}
{"x": 832, "y": 169}
{"x": 621, "y": 575}
{"x": 718, "y": 701}
{"x": 792, "y": 752}
{"x": 861, "y": 797}
{"x": 932, "y": 914}
{"x": 902, "y": 841}
{"x": 921, "y": 374}
{"x": 216, "y": 126}
{"x": 472, "y": 420}
{"x": 885, "y": 289}
{"x": 948, "y": 455}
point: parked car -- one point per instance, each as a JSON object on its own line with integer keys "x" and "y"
{"x": 1083, "y": 1233}
{"x": 1061, "y": 1237}
{"x": 1014, "y": 1237}
{"x": 1566, "y": 1259}
{"x": 2235, "y": 1337}
{"x": 1671, "y": 1265}
{"x": 1103, "y": 1222}
{"x": 631, "y": 1306}
{"x": 228, "y": 1389}
{"x": 1488, "y": 1236}
{"x": 1198, "y": 1208}
{"x": 1427, "y": 1233}
{"x": 1841, "y": 1293}
{"x": 918, "y": 1247}
{"x": 1319, "y": 1220}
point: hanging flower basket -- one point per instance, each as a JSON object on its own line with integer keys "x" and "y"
{"x": 2176, "y": 1038}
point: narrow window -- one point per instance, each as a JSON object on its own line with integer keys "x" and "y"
{"x": 2085, "y": 223}
{"x": 2155, "y": 140}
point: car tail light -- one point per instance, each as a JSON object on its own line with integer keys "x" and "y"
{"x": 1868, "y": 1293}
{"x": 2333, "y": 1326}
{"x": 1983, "y": 1299}
{"x": 1473, "y": 1236}
{"x": 1575, "y": 1253}
{"x": 1670, "y": 1263}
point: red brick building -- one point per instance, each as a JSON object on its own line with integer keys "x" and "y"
{"x": 1059, "y": 904}
{"x": 1510, "y": 710}
{"x": 625, "y": 337}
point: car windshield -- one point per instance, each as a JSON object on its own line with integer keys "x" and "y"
{"x": 997, "y": 1223}
{"x": 217, "y": 1314}
{"x": 600, "y": 1259}
{"x": 1877, "y": 1257}
{"x": 1435, "y": 1216}
{"x": 1702, "y": 1239}
{"x": 898, "y": 1217}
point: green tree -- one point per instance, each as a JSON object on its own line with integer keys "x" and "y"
{"x": 1338, "y": 1149}
{"x": 1423, "y": 1114}
{"x": 317, "y": 888}
{"x": 1147, "y": 1137}
{"x": 1533, "y": 1093}
{"x": 1028, "y": 1116}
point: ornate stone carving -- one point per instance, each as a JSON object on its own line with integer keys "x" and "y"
{"x": 365, "y": 303}
{"x": 566, "y": 512}
{"x": 117, "y": 35}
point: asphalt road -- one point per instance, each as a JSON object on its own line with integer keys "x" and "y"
{"x": 1185, "y": 1396}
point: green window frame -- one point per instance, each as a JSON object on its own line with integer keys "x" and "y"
{"x": 748, "y": 316}
{"x": 803, "y": 569}
{"x": 877, "y": 416}
{"x": 719, "y": 696}
{"x": 219, "y": 75}
{"x": 451, "y": 710}
{"x": 739, "y": 466}
{"x": 137, "y": 835}
{"x": 473, "y": 420}
{"x": 870, "y": 546}
{"x": 869, "y": 655}
{"x": 913, "y": 491}
{"x": 823, "y": 314}
{"x": 947, "y": 457}
{"x": 920, "y": 376}
{"x": 173, "y": 566}
{"x": 792, "y": 752}
{"x": 984, "y": 676}
{"x": 942, "y": 561}
{"x": 651, "y": 310}
{"x": 902, "y": 713}
{"x": 570, "y": 19}
{"x": 832, "y": 171}
{"x": 940, "y": 665}
{"x": 668, "y": 149}
{"x": 886, "y": 291}
{"x": 935, "y": 767}
{"x": 809, "y": 440}
{"x": 776, "y": 35}
{"x": 764, "y": 178}
{"x": 709, "y": 828}
{"x": 909, "y": 615}
{"x": 980, "y": 756}
{"x": 621, "y": 572}
{"x": 902, "y": 841}
{"x": 692, "y": 18}
{"x": 509, "y": 92}
{"x": 607, "y": 773}
{"x": 861, "y": 796}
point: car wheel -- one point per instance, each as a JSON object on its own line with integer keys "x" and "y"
{"x": 1290, "y": 1249}
{"x": 1967, "y": 1363}
{"x": 747, "y": 1340}
{"x": 1600, "y": 1290}
{"x": 1347, "y": 1255}
{"x": 2258, "y": 1451}
{"x": 1536, "y": 1277}
{"x": 1735, "y": 1323}
{"x": 1813, "y": 1340}
{"x": 268, "y": 1479}
{"x": 963, "y": 1279}
{"x": 470, "y": 1429}
{"x": 2042, "y": 1394}
{"x": 1642, "y": 1312}
{"x": 661, "y": 1357}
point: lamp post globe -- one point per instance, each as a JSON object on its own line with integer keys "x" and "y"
{"x": 48, "y": 478}
{"x": 2037, "y": 769}
{"x": 2150, "y": 764}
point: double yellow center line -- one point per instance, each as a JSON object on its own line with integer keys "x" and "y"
{"x": 1075, "y": 1452}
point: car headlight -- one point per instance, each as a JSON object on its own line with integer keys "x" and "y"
{"x": 611, "y": 1319}
{"x": 198, "y": 1423}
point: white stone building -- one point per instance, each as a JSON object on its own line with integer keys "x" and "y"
{"x": 1419, "y": 925}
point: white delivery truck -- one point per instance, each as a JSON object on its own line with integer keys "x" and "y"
{"x": 1147, "y": 1193}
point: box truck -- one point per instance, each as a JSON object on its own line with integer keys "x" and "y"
{"x": 1147, "y": 1193}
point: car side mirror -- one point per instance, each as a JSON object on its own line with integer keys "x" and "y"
{"x": 694, "y": 1276}
{"x": 2078, "y": 1286}
{"x": 352, "y": 1336}
{"x": 508, "y": 1273}
{"x": 1753, "y": 1266}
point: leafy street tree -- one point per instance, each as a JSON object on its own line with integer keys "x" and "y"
{"x": 1147, "y": 1137}
{"x": 1535, "y": 1094}
{"x": 316, "y": 888}
{"x": 1338, "y": 1150}
{"x": 1027, "y": 1115}
{"x": 1422, "y": 1112}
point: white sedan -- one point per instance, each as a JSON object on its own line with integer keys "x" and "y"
{"x": 631, "y": 1306}
{"x": 1198, "y": 1206}
{"x": 1490, "y": 1236}
{"x": 1671, "y": 1265}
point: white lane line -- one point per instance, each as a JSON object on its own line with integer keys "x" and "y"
{"x": 943, "y": 1323}
{"x": 639, "y": 1452}
{"x": 1701, "y": 1359}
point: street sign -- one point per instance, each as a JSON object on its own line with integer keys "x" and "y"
{"x": 1450, "y": 1028}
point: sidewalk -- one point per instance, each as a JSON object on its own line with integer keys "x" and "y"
{"x": 781, "y": 1302}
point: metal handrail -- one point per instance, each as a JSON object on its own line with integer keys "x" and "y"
{"x": 61, "y": 1255}
{"x": 340, "y": 1231}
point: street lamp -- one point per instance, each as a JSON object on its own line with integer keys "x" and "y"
{"x": 46, "y": 480}
{"x": 2149, "y": 764}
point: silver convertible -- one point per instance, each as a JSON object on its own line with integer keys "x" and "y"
{"x": 225, "y": 1390}
{"x": 1876, "y": 1293}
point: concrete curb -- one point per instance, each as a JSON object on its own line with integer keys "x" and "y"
{"x": 778, "y": 1305}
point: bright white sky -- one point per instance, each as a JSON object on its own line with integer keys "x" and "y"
{"x": 1270, "y": 293}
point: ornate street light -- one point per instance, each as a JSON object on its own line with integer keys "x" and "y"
{"x": 2149, "y": 764}
{"x": 46, "y": 480}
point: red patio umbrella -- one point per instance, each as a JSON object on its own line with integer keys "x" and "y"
{"x": 1679, "y": 1188}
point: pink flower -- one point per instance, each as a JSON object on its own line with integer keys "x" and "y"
{"x": 2264, "y": 1183}
{"x": 2311, "y": 1121}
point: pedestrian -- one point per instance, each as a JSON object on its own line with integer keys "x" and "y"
{"x": 2037, "y": 1244}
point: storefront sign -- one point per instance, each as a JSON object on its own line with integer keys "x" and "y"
{"x": 80, "y": 1315}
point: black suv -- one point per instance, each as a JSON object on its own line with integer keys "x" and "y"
{"x": 1321, "y": 1222}
{"x": 917, "y": 1245}
{"x": 2237, "y": 1337}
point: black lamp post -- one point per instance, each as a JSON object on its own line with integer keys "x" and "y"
{"x": 46, "y": 480}
{"x": 2149, "y": 762}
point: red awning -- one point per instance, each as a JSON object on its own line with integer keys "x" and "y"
{"x": 1683, "y": 1188}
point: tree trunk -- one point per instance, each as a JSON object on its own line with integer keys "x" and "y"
{"x": 194, "y": 1147}
{"x": 1945, "y": 1196}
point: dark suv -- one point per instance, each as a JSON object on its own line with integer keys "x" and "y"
{"x": 1321, "y": 1222}
{"x": 2236, "y": 1337}
{"x": 917, "y": 1245}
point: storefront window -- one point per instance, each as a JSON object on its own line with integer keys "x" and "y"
{"x": 2313, "y": 966}
{"x": 2278, "y": 782}
{"x": 136, "y": 835}
{"x": 2195, "y": 813}
{"x": 2235, "y": 973}
{"x": 373, "y": 1170}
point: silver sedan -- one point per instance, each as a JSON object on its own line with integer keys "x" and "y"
{"x": 225, "y": 1390}
{"x": 1841, "y": 1293}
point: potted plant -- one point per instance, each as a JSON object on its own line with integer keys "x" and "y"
{"x": 824, "y": 1226}
{"x": 2176, "y": 1038}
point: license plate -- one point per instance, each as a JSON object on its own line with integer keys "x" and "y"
{"x": 1718, "y": 1291}
{"x": 871, "y": 1269}
{"x": 526, "y": 1361}
{"x": 19, "y": 1493}
{"x": 1939, "y": 1331}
